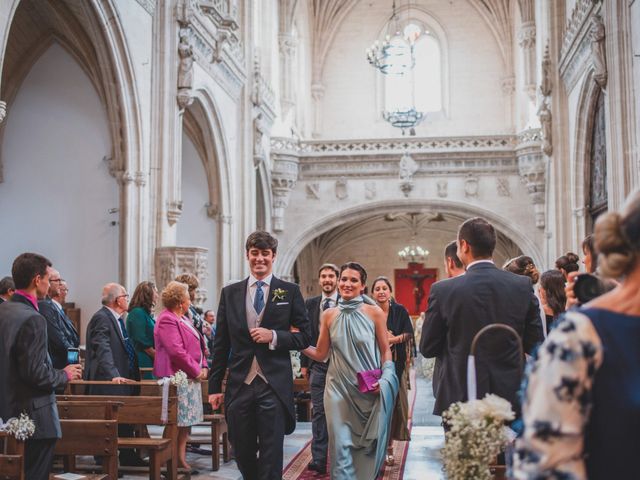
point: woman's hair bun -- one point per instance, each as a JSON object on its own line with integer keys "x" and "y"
{"x": 617, "y": 256}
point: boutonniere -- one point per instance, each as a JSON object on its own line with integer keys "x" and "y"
{"x": 278, "y": 295}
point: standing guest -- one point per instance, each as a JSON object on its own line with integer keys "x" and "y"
{"x": 60, "y": 330}
{"x": 552, "y": 295}
{"x": 581, "y": 402}
{"x": 27, "y": 377}
{"x": 590, "y": 258}
{"x": 355, "y": 335}
{"x": 181, "y": 347}
{"x": 459, "y": 307}
{"x": 400, "y": 330}
{"x": 452, "y": 264}
{"x": 328, "y": 280}
{"x": 7, "y": 288}
{"x": 209, "y": 330}
{"x": 192, "y": 281}
{"x": 253, "y": 338}
{"x": 140, "y": 324}
{"x": 110, "y": 356}
{"x": 61, "y": 298}
{"x": 568, "y": 263}
{"x": 523, "y": 265}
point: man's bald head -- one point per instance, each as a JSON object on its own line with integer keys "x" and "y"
{"x": 112, "y": 293}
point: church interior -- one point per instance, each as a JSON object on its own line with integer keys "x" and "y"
{"x": 141, "y": 139}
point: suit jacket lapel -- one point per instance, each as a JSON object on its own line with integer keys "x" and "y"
{"x": 275, "y": 283}
{"x": 116, "y": 325}
{"x": 239, "y": 302}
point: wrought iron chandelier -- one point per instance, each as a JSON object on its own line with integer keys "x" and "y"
{"x": 404, "y": 119}
{"x": 394, "y": 54}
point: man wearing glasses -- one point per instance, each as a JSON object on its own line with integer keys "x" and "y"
{"x": 61, "y": 333}
{"x": 111, "y": 356}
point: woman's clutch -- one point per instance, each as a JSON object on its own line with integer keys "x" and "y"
{"x": 367, "y": 379}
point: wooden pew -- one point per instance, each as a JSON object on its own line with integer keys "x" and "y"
{"x": 11, "y": 458}
{"x": 301, "y": 385}
{"x": 89, "y": 428}
{"x": 144, "y": 410}
{"x": 219, "y": 433}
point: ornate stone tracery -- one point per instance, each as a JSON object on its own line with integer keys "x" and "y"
{"x": 173, "y": 261}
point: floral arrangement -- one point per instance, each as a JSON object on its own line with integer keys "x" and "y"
{"x": 279, "y": 294}
{"x": 427, "y": 366}
{"x": 295, "y": 364}
{"x": 179, "y": 379}
{"x": 22, "y": 428}
{"x": 477, "y": 434}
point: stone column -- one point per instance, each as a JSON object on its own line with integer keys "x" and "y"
{"x": 173, "y": 261}
{"x": 288, "y": 44}
{"x": 284, "y": 175}
{"x": 527, "y": 42}
{"x": 532, "y": 167}
{"x": 317, "y": 94}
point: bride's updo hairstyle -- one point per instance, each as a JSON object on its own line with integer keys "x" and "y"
{"x": 355, "y": 266}
{"x": 617, "y": 238}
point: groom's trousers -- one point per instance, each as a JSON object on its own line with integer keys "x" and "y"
{"x": 256, "y": 421}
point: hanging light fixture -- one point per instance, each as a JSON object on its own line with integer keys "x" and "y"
{"x": 404, "y": 119}
{"x": 394, "y": 54}
{"x": 413, "y": 253}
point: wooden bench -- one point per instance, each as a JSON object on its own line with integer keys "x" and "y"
{"x": 11, "y": 458}
{"x": 144, "y": 410}
{"x": 219, "y": 433}
{"x": 89, "y": 428}
{"x": 301, "y": 385}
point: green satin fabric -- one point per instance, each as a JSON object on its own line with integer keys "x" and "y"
{"x": 358, "y": 423}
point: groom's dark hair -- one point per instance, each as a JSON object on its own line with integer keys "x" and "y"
{"x": 480, "y": 235}
{"x": 262, "y": 241}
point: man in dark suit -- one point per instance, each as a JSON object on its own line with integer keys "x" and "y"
{"x": 60, "y": 330}
{"x": 111, "y": 356}
{"x": 459, "y": 307}
{"x": 6, "y": 289}
{"x": 27, "y": 377}
{"x": 328, "y": 280}
{"x": 253, "y": 337}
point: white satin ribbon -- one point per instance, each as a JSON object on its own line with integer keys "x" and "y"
{"x": 472, "y": 389}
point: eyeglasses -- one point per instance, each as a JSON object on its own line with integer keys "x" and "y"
{"x": 126, "y": 295}
{"x": 54, "y": 280}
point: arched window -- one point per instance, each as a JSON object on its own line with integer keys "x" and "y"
{"x": 421, "y": 87}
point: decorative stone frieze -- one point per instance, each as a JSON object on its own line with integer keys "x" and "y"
{"x": 173, "y": 261}
{"x": 575, "y": 24}
{"x": 284, "y": 176}
{"x": 532, "y": 167}
{"x": 576, "y": 43}
{"x": 148, "y": 5}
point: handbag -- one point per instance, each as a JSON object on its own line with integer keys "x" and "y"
{"x": 367, "y": 378}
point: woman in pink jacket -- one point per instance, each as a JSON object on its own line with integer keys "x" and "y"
{"x": 179, "y": 346}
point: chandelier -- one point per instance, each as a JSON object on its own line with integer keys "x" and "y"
{"x": 394, "y": 54}
{"x": 404, "y": 119}
{"x": 413, "y": 252}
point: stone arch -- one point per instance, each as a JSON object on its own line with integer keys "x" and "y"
{"x": 590, "y": 92}
{"x": 292, "y": 250}
{"x": 95, "y": 38}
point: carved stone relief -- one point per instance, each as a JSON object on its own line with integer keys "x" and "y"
{"x": 174, "y": 211}
{"x": 185, "y": 69}
{"x": 370, "y": 190}
{"x": 313, "y": 190}
{"x": 407, "y": 167}
{"x": 546, "y": 82}
{"x": 342, "y": 188}
{"x": 533, "y": 171}
{"x": 173, "y": 261}
{"x": 598, "y": 55}
{"x": 544, "y": 114}
{"x": 471, "y": 186}
{"x": 258, "y": 142}
{"x": 442, "y": 188}
{"x": 502, "y": 187}
{"x": 284, "y": 175}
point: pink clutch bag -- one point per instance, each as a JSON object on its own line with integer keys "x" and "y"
{"x": 367, "y": 378}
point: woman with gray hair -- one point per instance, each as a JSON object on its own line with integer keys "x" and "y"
{"x": 581, "y": 402}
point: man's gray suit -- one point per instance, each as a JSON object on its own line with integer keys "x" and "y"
{"x": 458, "y": 308}
{"x": 28, "y": 381}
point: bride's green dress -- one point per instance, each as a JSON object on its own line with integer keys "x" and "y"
{"x": 358, "y": 423}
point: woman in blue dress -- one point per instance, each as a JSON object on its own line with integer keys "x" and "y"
{"x": 354, "y": 338}
{"x": 582, "y": 404}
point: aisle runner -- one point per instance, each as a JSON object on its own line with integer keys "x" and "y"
{"x": 297, "y": 468}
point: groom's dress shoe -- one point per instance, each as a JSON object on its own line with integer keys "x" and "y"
{"x": 317, "y": 468}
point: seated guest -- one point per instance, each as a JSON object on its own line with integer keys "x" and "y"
{"x": 27, "y": 377}
{"x": 111, "y": 356}
{"x": 181, "y": 347}
{"x": 568, "y": 263}
{"x": 140, "y": 324}
{"x": 61, "y": 333}
{"x": 552, "y": 295}
{"x": 6, "y": 289}
{"x": 581, "y": 402}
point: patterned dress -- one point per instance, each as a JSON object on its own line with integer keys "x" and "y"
{"x": 582, "y": 402}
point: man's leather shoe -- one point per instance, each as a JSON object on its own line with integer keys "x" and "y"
{"x": 317, "y": 467}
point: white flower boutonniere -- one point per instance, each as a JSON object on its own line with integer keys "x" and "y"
{"x": 278, "y": 295}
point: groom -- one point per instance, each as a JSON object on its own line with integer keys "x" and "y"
{"x": 253, "y": 338}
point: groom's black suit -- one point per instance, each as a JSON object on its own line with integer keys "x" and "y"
{"x": 458, "y": 308}
{"x": 234, "y": 347}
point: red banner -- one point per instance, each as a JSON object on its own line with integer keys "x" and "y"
{"x": 412, "y": 286}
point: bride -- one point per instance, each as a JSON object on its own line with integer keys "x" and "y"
{"x": 353, "y": 336}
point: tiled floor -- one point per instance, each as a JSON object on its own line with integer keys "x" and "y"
{"x": 423, "y": 461}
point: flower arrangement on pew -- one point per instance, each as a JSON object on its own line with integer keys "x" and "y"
{"x": 296, "y": 366}
{"x": 476, "y": 436}
{"x": 22, "y": 428}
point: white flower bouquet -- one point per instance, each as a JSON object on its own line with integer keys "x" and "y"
{"x": 179, "y": 379}
{"x": 295, "y": 364}
{"x": 477, "y": 434}
{"x": 22, "y": 428}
